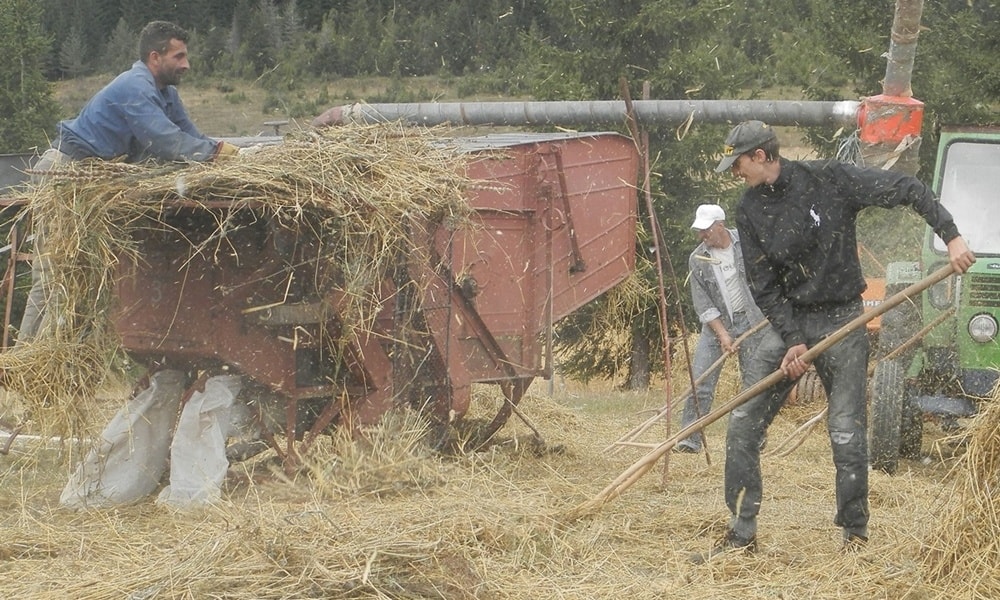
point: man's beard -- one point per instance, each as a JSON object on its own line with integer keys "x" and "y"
{"x": 170, "y": 78}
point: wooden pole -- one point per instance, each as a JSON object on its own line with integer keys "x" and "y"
{"x": 644, "y": 464}
{"x": 642, "y": 143}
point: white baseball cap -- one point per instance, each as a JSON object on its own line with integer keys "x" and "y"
{"x": 706, "y": 215}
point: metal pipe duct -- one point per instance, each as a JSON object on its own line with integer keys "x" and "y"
{"x": 578, "y": 113}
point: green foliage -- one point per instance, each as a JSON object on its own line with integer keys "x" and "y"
{"x": 503, "y": 81}
{"x": 398, "y": 91}
{"x": 955, "y": 72}
{"x": 295, "y": 104}
{"x": 72, "y": 51}
{"x": 236, "y": 98}
{"x": 27, "y": 111}
{"x": 122, "y": 48}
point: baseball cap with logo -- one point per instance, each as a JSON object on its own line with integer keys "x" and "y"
{"x": 743, "y": 138}
{"x": 706, "y": 215}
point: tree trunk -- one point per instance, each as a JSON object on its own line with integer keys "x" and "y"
{"x": 638, "y": 370}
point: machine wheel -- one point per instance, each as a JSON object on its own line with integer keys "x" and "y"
{"x": 898, "y": 326}
{"x": 911, "y": 431}
{"x": 886, "y": 416}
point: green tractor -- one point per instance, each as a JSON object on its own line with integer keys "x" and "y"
{"x": 955, "y": 365}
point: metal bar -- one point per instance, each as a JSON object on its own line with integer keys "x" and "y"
{"x": 582, "y": 112}
{"x": 578, "y": 264}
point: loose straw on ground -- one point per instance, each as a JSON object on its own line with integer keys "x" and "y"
{"x": 644, "y": 464}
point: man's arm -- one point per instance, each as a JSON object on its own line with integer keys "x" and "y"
{"x": 889, "y": 189}
{"x": 878, "y": 187}
{"x": 708, "y": 313}
{"x": 158, "y": 136}
{"x": 701, "y": 300}
{"x": 959, "y": 255}
{"x": 722, "y": 334}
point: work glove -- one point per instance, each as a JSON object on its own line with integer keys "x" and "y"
{"x": 226, "y": 150}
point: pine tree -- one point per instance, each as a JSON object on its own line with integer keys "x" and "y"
{"x": 27, "y": 111}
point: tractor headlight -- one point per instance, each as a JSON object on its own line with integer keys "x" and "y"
{"x": 941, "y": 293}
{"x": 983, "y": 328}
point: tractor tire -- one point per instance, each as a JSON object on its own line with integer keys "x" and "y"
{"x": 886, "y": 419}
{"x": 898, "y": 326}
{"x": 911, "y": 430}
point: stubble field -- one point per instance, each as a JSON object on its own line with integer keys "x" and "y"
{"x": 391, "y": 519}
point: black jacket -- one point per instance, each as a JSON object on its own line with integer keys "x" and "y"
{"x": 799, "y": 234}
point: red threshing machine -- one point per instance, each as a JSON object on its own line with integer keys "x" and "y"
{"x": 556, "y": 228}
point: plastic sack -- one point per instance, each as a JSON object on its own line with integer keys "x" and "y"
{"x": 132, "y": 455}
{"x": 198, "y": 462}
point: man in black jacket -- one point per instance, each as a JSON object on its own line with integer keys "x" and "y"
{"x": 797, "y": 223}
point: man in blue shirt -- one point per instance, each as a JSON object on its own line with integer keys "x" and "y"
{"x": 137, "y": 117}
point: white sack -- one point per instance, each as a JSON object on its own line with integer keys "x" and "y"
{"x": 198, "y": 461}
{"x": 132, "y": 456}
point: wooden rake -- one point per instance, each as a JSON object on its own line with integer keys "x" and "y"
{"x": 638, "y": 430}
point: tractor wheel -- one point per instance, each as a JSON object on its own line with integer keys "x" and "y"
{"x": 911, "y": 431}
{"x": 898, "y": 326}
{"x": 886, "y": 418}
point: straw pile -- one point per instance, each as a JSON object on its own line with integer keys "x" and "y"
{"x": 963, "y": 551}
{"x": 364, "y": 191}
{"x": 386, "y": 518}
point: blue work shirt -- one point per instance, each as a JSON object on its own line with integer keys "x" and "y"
{"x": 131, "y": 117}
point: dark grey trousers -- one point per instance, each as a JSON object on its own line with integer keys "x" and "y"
{"x": 843, "y": 371}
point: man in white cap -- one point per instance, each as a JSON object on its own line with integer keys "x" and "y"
{"x": 724, "y": 307}
{"x": 797, "y": 224}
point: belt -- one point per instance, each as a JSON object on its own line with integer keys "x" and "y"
{"x": 825, "y": 307}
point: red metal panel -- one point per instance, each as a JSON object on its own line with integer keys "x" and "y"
{"x": 525, "y": 244}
